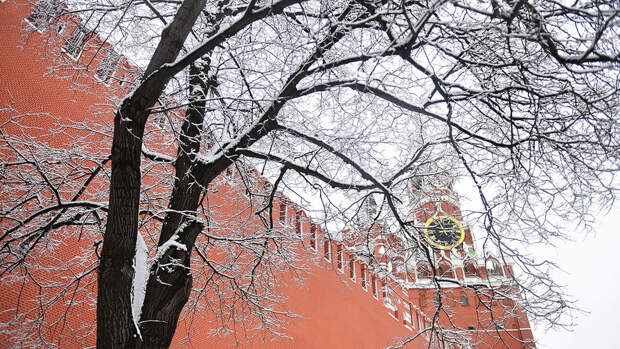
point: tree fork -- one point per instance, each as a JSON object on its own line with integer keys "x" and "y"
{"x": 170, "y": 281}
{"x": 115, "y": 325}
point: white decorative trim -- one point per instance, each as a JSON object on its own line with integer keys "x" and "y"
{"x": 33, "y": 26}
{"x": 74, "y": 58}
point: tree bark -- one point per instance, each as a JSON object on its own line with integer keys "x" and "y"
{"x": 115, "y": 325}
{"x": 167, "y": 291}
{"x": 170, "y": 281}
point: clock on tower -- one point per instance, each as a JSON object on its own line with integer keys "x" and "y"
{"x": 444, "y": 232}
{"x": 437, "y": 214}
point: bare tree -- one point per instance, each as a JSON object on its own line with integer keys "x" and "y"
{"x": 341, "y": 99}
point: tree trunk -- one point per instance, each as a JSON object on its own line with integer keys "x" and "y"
{"x": 167, "y": 291}
{"x": 115, "y": 325}
{"x": 170, "y": 282}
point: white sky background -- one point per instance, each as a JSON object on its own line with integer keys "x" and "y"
{"x": 592, "y": 276}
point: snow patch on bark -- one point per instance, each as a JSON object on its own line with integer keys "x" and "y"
{"x": 172, "y": 242}
{"x": 141, "y": 277}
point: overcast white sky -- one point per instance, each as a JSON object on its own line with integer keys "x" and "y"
{"x": 592, "y": 266}
{"x": 591, "y": 274}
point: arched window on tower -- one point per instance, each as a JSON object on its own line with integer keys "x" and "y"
{"x": 445, "y": 270}
{"x": 423, "y": 270}
{"x": 470, "y": 269}
{"x": 493, "y": 268}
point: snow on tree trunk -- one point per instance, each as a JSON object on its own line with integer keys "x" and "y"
{"x": 141, "y": 276}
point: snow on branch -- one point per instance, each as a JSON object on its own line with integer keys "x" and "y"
{"x": 172, "y": 242}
